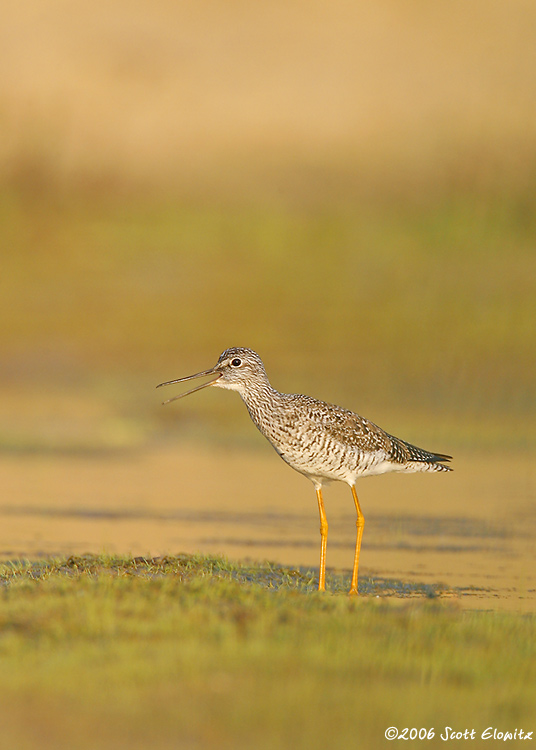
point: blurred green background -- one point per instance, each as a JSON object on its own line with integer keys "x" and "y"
{"x": 349, "y": 189}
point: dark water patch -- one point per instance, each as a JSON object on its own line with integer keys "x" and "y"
{"x": 386, "y": 546}
{"x": 411, "y": 525}
{"x": 186, "y": 567}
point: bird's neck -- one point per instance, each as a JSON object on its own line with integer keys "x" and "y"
{"x": 261, "y": 400}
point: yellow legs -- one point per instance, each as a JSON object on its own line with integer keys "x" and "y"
{"x": 323, "y": 541}
{"x": 360, "y": 523}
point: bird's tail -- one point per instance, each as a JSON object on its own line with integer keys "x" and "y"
{"x": 422, "y": 460}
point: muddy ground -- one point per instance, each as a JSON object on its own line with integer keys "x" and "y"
{"x": 471, "y": 531}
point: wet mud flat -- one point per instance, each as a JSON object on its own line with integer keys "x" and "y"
{"x": 467, "y": 536}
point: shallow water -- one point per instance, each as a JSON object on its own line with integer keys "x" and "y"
{"x": 472, "y": 531}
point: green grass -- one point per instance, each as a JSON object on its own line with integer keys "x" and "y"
{"x": 200, "y": 652}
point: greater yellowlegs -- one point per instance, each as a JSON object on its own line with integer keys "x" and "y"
{"x": 322, "y": 441}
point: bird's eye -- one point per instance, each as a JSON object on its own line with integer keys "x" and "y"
{"x": 236, "y": 362}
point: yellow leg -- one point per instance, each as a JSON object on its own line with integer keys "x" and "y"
{"x": 360, "y": 523}
{"x": 323, "y": 540}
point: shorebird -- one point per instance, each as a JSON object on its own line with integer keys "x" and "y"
{"x": 321, "y": 441}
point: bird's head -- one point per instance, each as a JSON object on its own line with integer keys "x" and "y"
{"x": 237, "y": 369}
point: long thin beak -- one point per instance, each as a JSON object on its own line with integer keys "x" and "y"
{"x": 212, "y": 371}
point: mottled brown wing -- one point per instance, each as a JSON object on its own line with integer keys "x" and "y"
{"x": 358, "y": 432}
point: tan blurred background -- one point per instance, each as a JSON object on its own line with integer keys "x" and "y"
{"x": 348, "y": 188}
